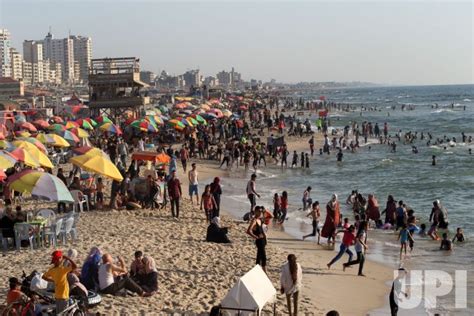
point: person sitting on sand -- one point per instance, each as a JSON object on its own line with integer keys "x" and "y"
{"x": 446, "y": 244}
{"x": 143, "y": 271}
{"x": 217, "y": 234}
{"x": 107, "y": 283}
{"x": 15, "y": 295}
{"x": 459, "y": 237}
{"x": 90, "y": 269}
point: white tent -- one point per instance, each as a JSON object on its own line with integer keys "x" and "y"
{"x": 249, "y": 294}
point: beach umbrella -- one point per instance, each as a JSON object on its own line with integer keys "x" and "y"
{"x": 227, "y": 113}
{"x": 57, "y": 127}
{"x": 175, "y": 122}
{"x": 41, "y": 184}
{"x": 217, "y": 112}
{"x": 163, "y": 158}
{"x": 103, "y": 119}
{"x": 192, "y": 120}
{"x": 4, "y": 144}
{"x": 80, "y": 132}
{"x": 41, "y": 157}
{"x": 97, "y": 164}
{"x": 21, "y": 154}
{"x": 156, "y": 119}
{"x": 6, "y": 160}
{"x": 209, "y": 116}
{"x": 27, "y": 126}
{"x": 56, "y": 140}
{"x": 57, "y": 119}
{"x": 26, "y": 142}
{"x": 71, "y": 124}
{"x": 41, "y": 124}
{"x": 70, "y": 136}
{"x": 3, "y": 175}
{"x": 22, "y": 134}
{"x": 205, "y": 107}
{"x": 181, "y": 105}
{"x": 85, "y": 124}
{"x": 186, "y": 122}
{"x": 144, "y": 125}
{"x": 91, "y": 151}
{"x": 200, "y": 119}
{"x": 110, "y": 128}
{"x": 45, "y": 138}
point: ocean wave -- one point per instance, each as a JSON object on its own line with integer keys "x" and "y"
{"x": 467, "y": 100}
{"x": 387, "y": 160}
{"x": 441, "y": 111}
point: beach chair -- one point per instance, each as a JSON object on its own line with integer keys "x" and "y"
{"x": 24, "y": 231}
{"x": 52, "y": 232}
{"x": 47, "y": 214}
{"x": 80, "y": 199}
{"x": 66, "y": 229}
{"x": 74, "y": 225}
{"x": 4, "y": 241}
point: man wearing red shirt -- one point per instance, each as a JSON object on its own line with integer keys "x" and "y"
{"x": 347, "y": 241}
{"x": 174, "y": 192}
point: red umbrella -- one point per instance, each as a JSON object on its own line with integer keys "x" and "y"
{"x": 57, "y": 119}
{"x": 28, "y": 126}
{"x": 3, "y": 176}
{"x": 82, "y": 150}
{"x": 41, "y": 123}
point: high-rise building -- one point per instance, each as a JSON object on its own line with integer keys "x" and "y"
{"x": 147, "y": 77}
{"x": 224, "y": 78}
{"x": 5, "y": 45}
{"x": 32, "y": 51}
{"x": 192, "y": 78}
{"x": 82, "y": 55}
{"x": 16, "y": 64}
{"x": 60, "y": 51}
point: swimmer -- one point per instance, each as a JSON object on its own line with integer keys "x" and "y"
{"x": 422, "y": 231}
{"x": 459, "y": 237}
{"x": 446, "y": 244}
{"x": 433, "y": 160}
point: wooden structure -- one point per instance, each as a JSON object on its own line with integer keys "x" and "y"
{"x": 114, "y": 87}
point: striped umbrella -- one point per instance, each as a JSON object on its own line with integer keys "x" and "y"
{"x": 6, "y": 160}
{"x": 110, "y": 128}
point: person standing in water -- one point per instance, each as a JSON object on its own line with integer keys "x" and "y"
{"x": 333, "y": 219}
{"x": 433, "y": 160}
{"x": 307, "y": 198}
{"x": 314, "y": 214}
{"x": 251, "y": 191}
{"x": 339, "y": 155}
{"x": 290, "y": 283}
{"x": 311, "y": 145}
{"x": 294, "y": 161}
{"x": 404, "y": 236}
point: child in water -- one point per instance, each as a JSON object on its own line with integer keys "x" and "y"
{"x": 446, "y": 244}
{"x": 404, "y": 236}
{"x": 459, "y": 237}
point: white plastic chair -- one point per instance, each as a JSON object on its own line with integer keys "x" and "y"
{"x": 23, "y": 232}
{"x": 80, "y": 199}
{"x": 53, "y": 231}
{"x": 66, "y": 229}
{"x": 47, "y": 214}
{"x": 74, "y": 225}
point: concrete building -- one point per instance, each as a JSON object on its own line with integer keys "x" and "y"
{"x": 16, "y": 64}
{"x": 229, "y": 79}
{"x": 10, "y": 88}
{"x": 192, "y": 78}
{"x": 5, "y": 45}
{"x": 82, "y": 55}
{"x": 147, "y": 77}
{"x": 211, "y": 81}
{"x": 60, "y": 51}
{"x": 32, "y": 51}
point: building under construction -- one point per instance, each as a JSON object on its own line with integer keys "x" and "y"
{"x": 114, "y": 87}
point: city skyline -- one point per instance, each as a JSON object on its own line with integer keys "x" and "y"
{"x": 387, "y": 43}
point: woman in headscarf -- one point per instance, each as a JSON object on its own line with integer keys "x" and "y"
{"x": 390, "y": 211}
{"x": 290, "y": 281}
{"x": 90, "y": 269}
{"x": 333, "y": 219}
{"x": 373, "y": 212}
{"x": 215, "y": 233}
{"x": 216, "y": 191}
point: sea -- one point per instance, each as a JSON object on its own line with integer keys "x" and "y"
{"x": 373, "y": 168}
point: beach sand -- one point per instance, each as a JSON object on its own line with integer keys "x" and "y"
{"x": 195, "y": 275}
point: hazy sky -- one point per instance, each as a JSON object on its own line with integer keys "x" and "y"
{"x": 396, "y": 42}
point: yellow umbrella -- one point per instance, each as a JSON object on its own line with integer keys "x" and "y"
{"x": 97, "y": 164}
{"x": 6, "y": 160}
{"x": 81, "y": 133}
{"x": 21, "y": 154}
{"x": 45, "y": 139}
{"x": 27, "y": 145}
{"x": 97, "y": 152}
{"x": 58, "y": 141}
{"x": 41, "y": 158}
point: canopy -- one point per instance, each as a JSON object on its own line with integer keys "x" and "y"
{"x": 151, "y": 156}
{"x": 250, "y": 293}
{"x": 40, "y": 184}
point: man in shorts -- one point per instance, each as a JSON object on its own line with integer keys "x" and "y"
{"x": 193, "y": 183}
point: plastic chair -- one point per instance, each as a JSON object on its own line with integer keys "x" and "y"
{"x": 47, "y": 214}
{"x": 66, "y": 228}
{"x": 74, "y": 226}
{"x": 4, "y": 241}
{"x": 23, "y": 232}
{"x": 80, "y": 199}
{"x": 53, "y": 231}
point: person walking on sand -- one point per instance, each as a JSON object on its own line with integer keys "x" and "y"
{"x": 291, "y": 282}
{"x": 347, "y": 241}
{"x": 251, "y": 192}
{"x": 174, "y": 193}
{"x": 193, "y": 183}
{"x": 333, "y": 219}
{"x": 256, "y": 231}
{"x": 184, "y": 155}
{"x": 360, "y": 248}
{"x": 314, "y": 214}
{"x": 208, "y": 203}
{"x": 58, "y": 276}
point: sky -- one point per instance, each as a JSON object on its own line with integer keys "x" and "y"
{"x": 388, "y": 42}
